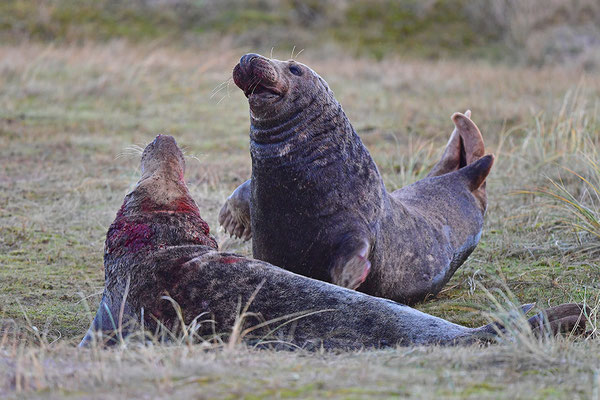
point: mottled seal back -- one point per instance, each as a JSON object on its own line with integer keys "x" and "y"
{"x": 163, "y": 269}
{"x": 317, "y": 205}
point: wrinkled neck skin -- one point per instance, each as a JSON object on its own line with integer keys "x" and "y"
{"x": 309, "y": 118}
{"x": 314, "y": 134}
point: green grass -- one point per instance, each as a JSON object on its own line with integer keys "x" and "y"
{"x": 69, "y": 115}
{"x": 373, "y": 28}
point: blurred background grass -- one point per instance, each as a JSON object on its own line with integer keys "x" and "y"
{"x": 533, "y": 32}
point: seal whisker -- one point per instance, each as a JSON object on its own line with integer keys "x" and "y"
{"x": 226, "y": 95}
{"x": 255, "y": 85}
{"x": 220, "y": 87}
{"x": 193, "y": 157}
{"x": 130, "y": 151}
{"x": 297, "y": 54}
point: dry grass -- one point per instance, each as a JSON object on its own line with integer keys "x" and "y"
{"x": 544, "y": 31}
{"x": 566, "y": 370}
{"x": 68, "y": 119}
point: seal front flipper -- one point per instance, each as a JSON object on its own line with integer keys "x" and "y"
{"x": 234, "y": 216}
{"x": 351, "y": 266}
{"x": 112, "y": 322}
{"x": 464, "y": 147}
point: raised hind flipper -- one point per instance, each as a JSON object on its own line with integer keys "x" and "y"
{"x": 474, "y": 176}
{"x": 464, "y": 147}
{"x": 234, "y": 216}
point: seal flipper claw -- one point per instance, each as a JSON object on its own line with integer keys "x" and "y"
{"x": 351, "y": 272}
{"x": 234, "y": 216}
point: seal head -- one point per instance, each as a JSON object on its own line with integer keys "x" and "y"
{"x": 277, "y": 91}
{"x": 163, "y": 157}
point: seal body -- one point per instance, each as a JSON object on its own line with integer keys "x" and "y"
{"x": 317, "y": 205}
{"x": 163, "y": 271}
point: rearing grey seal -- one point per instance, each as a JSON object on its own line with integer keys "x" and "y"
{"x": 317, "y": 205}
{"x": 159, "y": 245}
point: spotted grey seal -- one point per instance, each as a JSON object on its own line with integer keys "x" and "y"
{"x": 317, "y": 205}
{"x": 159, "y": 250}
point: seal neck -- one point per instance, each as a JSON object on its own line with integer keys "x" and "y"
{"x": 159, "y": 212}
{"x": 320, "y": 119}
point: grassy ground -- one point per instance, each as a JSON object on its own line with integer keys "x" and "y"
{"x": 70, "y": 114}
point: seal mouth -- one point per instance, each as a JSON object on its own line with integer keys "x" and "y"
{"x": 261, "y": 90}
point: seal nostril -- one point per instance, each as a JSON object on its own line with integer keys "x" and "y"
{"x": 163, "y": 140}
{"x": 247, "y": 59}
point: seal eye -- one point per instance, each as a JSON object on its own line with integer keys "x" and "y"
{"x": 295, "y": 70}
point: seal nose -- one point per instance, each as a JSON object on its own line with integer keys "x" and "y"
{"x": 163, "y": 140}
{"x": 247, "y": 59}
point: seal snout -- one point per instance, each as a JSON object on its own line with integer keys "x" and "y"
{"x": 165, "y": 144}
{"x": 246, "y": 60}
{"x": 255, "y": 74}
{"x": 163, "y": 154}
{"x": 164, "y": 140}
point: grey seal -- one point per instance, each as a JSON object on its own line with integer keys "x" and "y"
{"x": 316, "y": 203}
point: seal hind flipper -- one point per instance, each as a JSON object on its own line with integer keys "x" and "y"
{"x": 451, "y": 158}
{"x": 474, "y": 176}
{"x": 564, "y": 318}
{"x": 464, "y": 147}
{"x": 472, "y": 139}
{"x": 351, "y": 267}
{"x": 112, "y": 322}
{"x": 234, "y": 216}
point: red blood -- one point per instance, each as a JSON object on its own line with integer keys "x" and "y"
{"x": 230, "y": 260}
{"x": 365, "y": 271}
{"x": 137, "y": 236}
{"x": 186, "y": 205}
{"x": 128, "y": 235}
{"x": 131, "y": 236}
{"x": 180, "y": 205}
